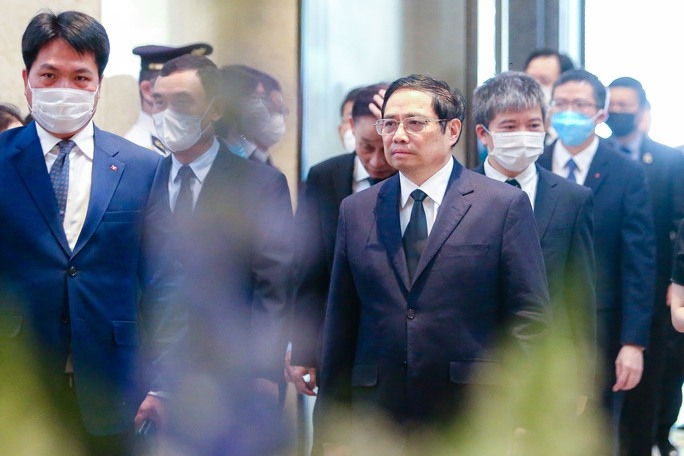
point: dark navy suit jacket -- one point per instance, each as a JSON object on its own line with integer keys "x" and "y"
{"x": 410, "y": 347}
{"x": 624, "y": 247}
{"x": 86, "y": 301}
{"x": 564, "y": 214}
{"x": 327, "y": 184}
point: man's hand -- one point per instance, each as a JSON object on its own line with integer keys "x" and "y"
{"x": 303, "y": 378}
{"x": 376, "y": 106}
{"x": 629, "y": 365}
{"x": 153, "y": 408}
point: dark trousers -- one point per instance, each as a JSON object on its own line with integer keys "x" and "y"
{"x": 92, "y": 445}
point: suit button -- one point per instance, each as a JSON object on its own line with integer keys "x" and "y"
{"x": 64, "y": 319}
{"x": 72, "y": 271}
{"x": 411, "y": 314}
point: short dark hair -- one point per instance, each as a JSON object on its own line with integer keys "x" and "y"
{"x": 448, "y": 103}
{"x": 509, "y": 91}
{"x": 584, "y": 75}
{"x": 635, "y": 85}
{"x": 207, "y": 71}
{"x": 364, "y": 97}
{"x": 564, "y": 62}
{"x": 80, "y": 31}
{"x": 350, "y": 97}
{"x": 8, "y": 115}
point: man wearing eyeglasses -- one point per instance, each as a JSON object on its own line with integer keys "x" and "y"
{"x": 624, "y": 235}
{"x": 431, "y": 266}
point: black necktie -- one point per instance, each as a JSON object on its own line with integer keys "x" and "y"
{"x": 373, "y": 181}
{"x": 183, "y": 207}
{"x": 416, "y": 232}
{"x": 514, "y": 183}
{"x": 572, "y": 166}
{"x": 59, "y": 175}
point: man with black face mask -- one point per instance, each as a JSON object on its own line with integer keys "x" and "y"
{"x": 664, "y": 166}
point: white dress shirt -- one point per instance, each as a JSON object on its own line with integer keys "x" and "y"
{"x": 80, "y": 176}
{"x": 582, "y": 160}
{"x": 200, "y": 167}
{"x": 434, "y": 188}
{"x": 527, "y": 179}
{"x": 360, "y": 176}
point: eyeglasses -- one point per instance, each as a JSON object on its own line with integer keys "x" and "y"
{"x": 411, "y": 125}
{"x": 576, "y": 105}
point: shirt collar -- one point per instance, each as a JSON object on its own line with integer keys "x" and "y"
{"x": 200, "y": 166}
{"x": 634, "y": 145}
{"x": 582, "y": 159}
{"x": 434, "y": 187}
{"x": 360, "y": 173}
{"x": 524, "y": 177}
{"x": 84, "y": 139}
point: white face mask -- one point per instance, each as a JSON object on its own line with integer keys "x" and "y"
{"x": 179, "y": 132}
{"x": 61, "y": 110}
{"x": 260, "y": 125}
{"x": 349, "y": 141}
{"x": 516, "y": 150}
{"x": 273, "y": 131}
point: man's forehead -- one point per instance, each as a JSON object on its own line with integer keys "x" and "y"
{"x": 411, "y": 100}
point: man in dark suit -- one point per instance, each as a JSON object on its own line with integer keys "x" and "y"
{"x": 624, "y": 240}
{"x": 664, "y": 168}
{"x": 81, "y": 236}
{"x": 432, "y": 267}
{"x": 233, "y": 221}
{"x": 510, "y": 112}
{"x": 327, "y": 185}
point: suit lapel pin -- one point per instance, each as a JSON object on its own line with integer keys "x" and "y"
{"x": 647, "y": 158}
{"x": 597, "y": 175}
{"x": 114, "y": 168}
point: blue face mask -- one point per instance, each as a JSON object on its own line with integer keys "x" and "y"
{"x": 572, "y": 127}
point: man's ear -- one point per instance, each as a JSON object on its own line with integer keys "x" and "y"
{"x": 146, "y": 89}
{"x": 218, "y": 106}
{"x": 453, "y": 129}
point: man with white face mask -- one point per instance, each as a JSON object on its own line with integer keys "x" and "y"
{"x": 255, "y": 112}
{"x": 233, "y": 235}
{"x": 624, "y": 233}
{"x": 509, "y": 111}
{"x": 83, "y": 228}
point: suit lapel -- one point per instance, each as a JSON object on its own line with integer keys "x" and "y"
{"x": 107, "y": 172}
{"x": 30, "y": 165}
{"x": 450, "y": 214}
{"x": 598, "y": 170}
{"x": 544, "y": 202}
{"x": 389, "y": 226}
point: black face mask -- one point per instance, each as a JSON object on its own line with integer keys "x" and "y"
{"x": 621, "y": 123}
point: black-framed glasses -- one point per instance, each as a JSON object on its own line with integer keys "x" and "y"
{"x": 576, "y": 105}
{"x": 411, "y": 125}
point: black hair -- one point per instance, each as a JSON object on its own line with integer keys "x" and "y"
{"x": 448, "y": 103}
{"x": 8, "y": 115}
{"x": 583, "y": 75}
{"x": 350, "y": 97}
{"x": 207, "y": 71}
{"x": 80, "y": 31}
{"x": 364, "y": 97}
{"x": 564, "y": 62}
{"x": 635, "y": 85}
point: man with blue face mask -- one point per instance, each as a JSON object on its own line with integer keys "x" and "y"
{"x": 624, "y": 236}
{"x": 509, "y": 111}
{"x": 233, "y": 235}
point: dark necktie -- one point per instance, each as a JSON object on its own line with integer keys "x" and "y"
{"x": 416, "y": 232}
{"x": 183, "y": 207}
{"x": 59, "y": 175}
{"x": 514, "y": 183}
{"x": 572, "y": 166}
{"x": 373, "y": 181}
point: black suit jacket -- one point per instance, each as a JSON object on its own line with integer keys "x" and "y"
{"x": 410, "y": 347}
{"x": 238, "y": 255}
{"x": 327, "y": 184}
{"x": 664, "y": 168}
{"x": 564, "y": 214}
{"x": 624, "y": 247}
